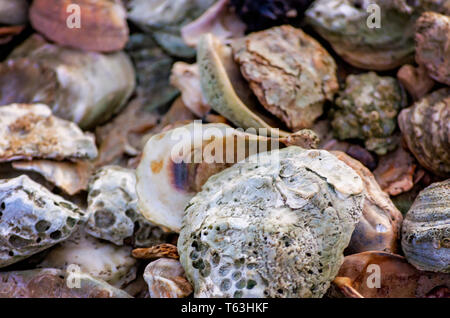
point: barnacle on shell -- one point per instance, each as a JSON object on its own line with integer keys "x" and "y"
{"x": 32, "y": 219}
{"x": 275, "y": 226}
{"x": 426, "y": 131}
{"x": 426, "y": 229}
{"x": 367, "y": 109}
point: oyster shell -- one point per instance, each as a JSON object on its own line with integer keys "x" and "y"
{"x": 30, "y": 131}
{"x": 103, "y": 24}
{"x": 100, "y": 260}
{"x": 379, "y": 227}
{"x": 415, "y": 80}
{"x": 367, "y": 109}
{"x": 164, "y": 20}
{"x": 290, "y": 72}
{"x": 426, "y": 131}
{"x": 164, "y": 250}
{"x": 72, "y": 177}
{"x": 78, "y": 84}
{"x": 433, "y": 45}
{"x": 426, "y": 229}
{"x": 13, "y": 12}
{"x": 398, "y": 279}
{"x": 355, "y": 151}
{"x": 272, "y": 227}
{"x": 53, "y": 283}
{"x": 165, "y": 278}
{"x": 112, "y": 209}
{"x": 32, "y": 219}
{"x": 219, "y": 20}
{"x": 343, "y": 24}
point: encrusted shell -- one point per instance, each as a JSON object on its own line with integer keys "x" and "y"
{"x": 290, "y": 72}
{"x": 426, "y": 229}
{"x": 55, "y": 283}
{"x": 31, "y": 131}
{"x": 32, "y": 219}
{"x": 275, "y": 226}
{"x": 103, "y": 23}
{"x": 367, "y": 109}
{"x": 426, "y": 130}
{"x": 77, "y": 85}
{"x": 379, "y": 227}
{"x": 433, "y": 45}
{"x": 112, "y": 209}
{"x": 165, "y": 278}
{"x": 101, "y": 260}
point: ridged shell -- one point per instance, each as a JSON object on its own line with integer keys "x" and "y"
{"x": 426, "y": 129}
{"x": 426, "y": 229}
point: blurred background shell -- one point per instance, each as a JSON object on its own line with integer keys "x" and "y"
{"x": 13, "y": 12}
{"x": 426, "y": 229}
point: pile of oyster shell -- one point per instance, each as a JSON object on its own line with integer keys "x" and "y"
{"x": 349, "y": 180}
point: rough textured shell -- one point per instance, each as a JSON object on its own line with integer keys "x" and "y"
{"x": 367, "y": 109}
{"x": 99, "y": 259}
{"x": 30, "y": 131}
{"x": 84, "y": 92}
{"x": 32, "y": 219}
{"x": 433, "y": 45}
{"x": 274, "y": 228}
{"x": 53, "y": 283}
{"x": 165, "y": 278}
{"x": 112, "y": 209}
{"x": 426, "y": 129}
{"x": 290, "y": 72}
{"x": 379, "y": 227}
{"x": 103, "y": 25}
{"x": 426, "y": 229}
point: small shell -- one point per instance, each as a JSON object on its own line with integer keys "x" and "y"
{"x": 13, "y": 12}
{"x": 290, "y": 72}
{"x": 30, "y": 131}
{"x": 433, "y": 45}
{"x": 112, "y": 209}
{"x": 275, "y": 226}
{"x": 367, "y": 109}
{"x": 426, "y": 131}
{"x": 379, "y": 227}
{"x": 415, "y": 80}
{"x": 165, "y": 278}
{"x": 426, "y": 229}
{"x": 99, "y": 259}
{"x": 398, "y": 279}
{"x": 103, "y": 25}
{"x": 158, "y": 251}
{"x": 32, "y": 219}
{"x": 54, "y": 283}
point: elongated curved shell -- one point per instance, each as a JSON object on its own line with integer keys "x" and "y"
{"x": 102, "y": 23}
{"x": 379, "y": 227}
{"x": 30, "y": 131}
{"x": 358, "y": 274}
{"x": 426, "y": 229}
{"x": 13, "y": 12}
{"x": 32, "y": 219}
{"x": 290, "y": 72}
{"x": 176, "y": 163}
{"x": 225, "y": 89}
{"x": 55, "y": 283}
{"x": 101, "y": 260}
{"x": 82, "y": 89}
{"x": 426, "y": 130}
{"x": 165, "y": 278}
{"x": 275, "y": 226}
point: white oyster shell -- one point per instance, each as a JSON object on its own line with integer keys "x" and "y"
{"x": 32, "y": 219}
{"x": 31, "y": 131}
{"x": 274, "y": 228}
{"x": 112, "y": 209}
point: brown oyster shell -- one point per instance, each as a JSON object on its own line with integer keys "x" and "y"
{"x": 103, "y": 24}
{"x": 290, "y": 72}
{"x": 426, "y": 130}
{"x": 398, "y": 278}
{"x": 433, "y": 45}
{"x": 158, "y": 251}
{"x": 379, "y": 226}
{"x": 31, "y": 131}
{"x": 415, "y": 80}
